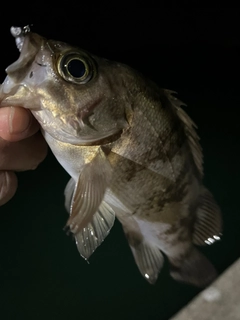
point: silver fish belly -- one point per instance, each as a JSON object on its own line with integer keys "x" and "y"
{"x": 130, "y": 149}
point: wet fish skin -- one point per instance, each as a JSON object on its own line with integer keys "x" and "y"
{"x": 130, "y": 149}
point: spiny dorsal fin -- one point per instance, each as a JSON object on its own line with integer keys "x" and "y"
{"x": 189, "y": 128}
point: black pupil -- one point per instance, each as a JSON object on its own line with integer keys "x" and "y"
{"x": 76, "y": 68}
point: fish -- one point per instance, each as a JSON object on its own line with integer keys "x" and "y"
{"x": 131, "y": 152}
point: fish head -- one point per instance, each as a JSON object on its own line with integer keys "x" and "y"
{"x": 75, "y": 96}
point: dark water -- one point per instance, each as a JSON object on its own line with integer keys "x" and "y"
{"x": 42, "y": 275}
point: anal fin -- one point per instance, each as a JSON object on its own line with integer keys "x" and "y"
{"x": 149, "y": 260}
{"x": 148, "y": 257}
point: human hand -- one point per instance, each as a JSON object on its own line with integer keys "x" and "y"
{"x": 22, "y": 147}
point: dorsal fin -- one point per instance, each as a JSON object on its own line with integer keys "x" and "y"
{"x": 208, "y": 224}
{"x": 189, "y": 128}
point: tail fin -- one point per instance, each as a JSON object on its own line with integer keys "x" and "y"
{"x": 195, "y": 269}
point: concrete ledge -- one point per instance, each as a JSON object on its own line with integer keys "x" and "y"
{"x": 220, "y": 301}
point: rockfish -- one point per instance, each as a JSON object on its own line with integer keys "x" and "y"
{"x": 130, "y": 149}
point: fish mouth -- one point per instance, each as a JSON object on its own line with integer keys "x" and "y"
{"x": 28, "y": 44}
{"x": 19, "y": 34}
{"x": 12, "y": 90}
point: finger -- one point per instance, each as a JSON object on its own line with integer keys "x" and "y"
{"x": 17, "y": 123}
{"x": 22, "y": 155}
{"x": 8, "y": 186}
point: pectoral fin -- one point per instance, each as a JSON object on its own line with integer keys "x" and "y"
{"x": 88, "y": 193}
{"x": 90, "y": 237}
{"x": 68, "y": 193}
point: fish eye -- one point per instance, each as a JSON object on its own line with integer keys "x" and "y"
{"x": 76, "y": 67}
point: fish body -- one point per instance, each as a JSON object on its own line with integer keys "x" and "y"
{"x": 130, "y": 149}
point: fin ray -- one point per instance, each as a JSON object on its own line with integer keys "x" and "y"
{"x": 149, "y": 260}
{"x": 68, "y": 193}
{"x": 189, "y": 128}
{"x": 89, "y": 192}
{"x": 208, "y": 224}
{"x": 91, "y": 236}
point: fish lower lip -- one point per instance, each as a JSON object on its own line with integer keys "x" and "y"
{"x": 14, "y": 95}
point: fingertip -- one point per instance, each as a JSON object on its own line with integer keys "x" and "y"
{"x": 8, "y": 186}
{"x": 17, "y": 123}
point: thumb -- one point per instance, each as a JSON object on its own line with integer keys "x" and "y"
{"x": 17, "y": 123}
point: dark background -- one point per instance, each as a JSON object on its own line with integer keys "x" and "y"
{"x": 194, "y": 51}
